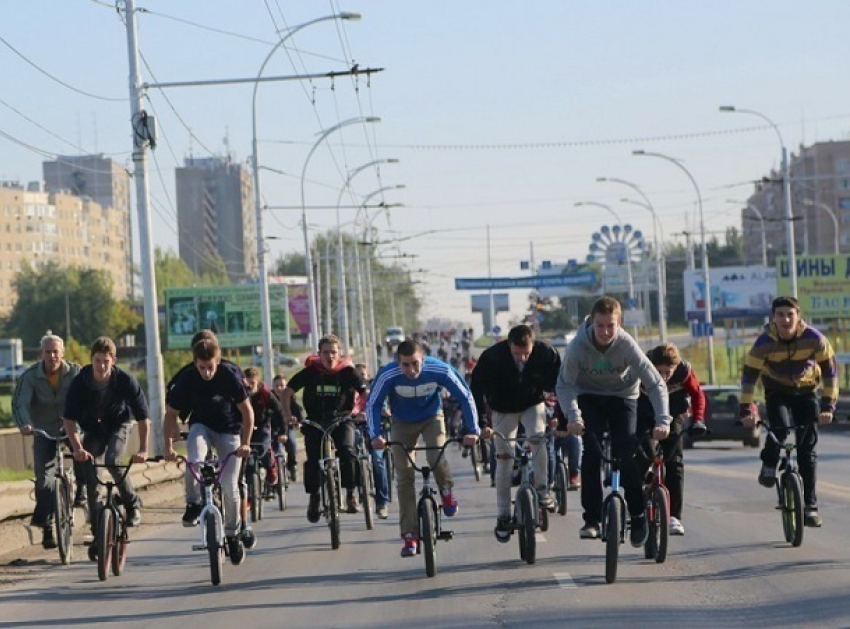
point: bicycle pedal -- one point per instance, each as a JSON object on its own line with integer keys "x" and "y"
{"x": 446, "y": 536}
{"x": 199, "y": 546}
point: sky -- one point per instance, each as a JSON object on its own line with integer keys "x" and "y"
{"x": 501, "y": 113}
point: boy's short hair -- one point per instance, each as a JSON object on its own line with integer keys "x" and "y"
{"x": 329, "y": 339}
{"x": 206, "y": 349}
{"x": 784, "y": 301}
{"x": 607, "y": 305}
{"x": 104, "y": 345}
{"x": 665, "y": 354}
{"x": 521, "y": 336}
{"x": 251, "y": 372}
{"x": 408, "y": 347}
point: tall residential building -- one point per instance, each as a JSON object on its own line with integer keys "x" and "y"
{"x": 820, "y": 200}
{"x": 39, "y": 227}
{"x": 104, "y": 182}
{"x": 215, "y": 215}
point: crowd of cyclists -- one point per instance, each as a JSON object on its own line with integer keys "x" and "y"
{"x": 432, "y": 388}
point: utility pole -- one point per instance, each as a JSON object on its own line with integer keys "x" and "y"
{"x": 144, "y": 135}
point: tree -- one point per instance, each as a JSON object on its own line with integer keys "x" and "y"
{"x": 291, "y": 263}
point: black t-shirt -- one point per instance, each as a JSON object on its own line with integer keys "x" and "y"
{"x": 103, "y": 408}
{"x": 327, "y": 393}
{"x": 210, "y": 402}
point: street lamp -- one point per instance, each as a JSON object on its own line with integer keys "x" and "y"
{"x": 659, "y": 263}
{"x": 832, "y": 215}
{"x": 705, "y": 271}
{"x": 265, "y": 312}
{"x": 603, "y": 206}
{"x": 343, "y": 319}
{"x": 786, "y": 187}
{"x": 314, "y": 315}
{"x": 758, "y": 214}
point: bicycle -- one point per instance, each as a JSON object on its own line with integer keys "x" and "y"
{"x": 528, "y": 514}
{"x": 789, "y": 486}
{"x": 473, "y": 454}
{"x": 427, "y": 508}
{"x": 63, "y": 497}
{"x": 256, "y": 482}
{"x": 208, "y": 475}
{"x": 366, "y": 478}
{"x": 279, "y": 488}
{"x": 111, "y": 538}
{"x": 561, "y": 485}
{"x": 329, "y": 476}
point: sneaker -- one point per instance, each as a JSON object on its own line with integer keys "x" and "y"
{"x": 544, "y": 497}
{"x": 236, "y": 549}
{"x": 313, "y": 508}
{"x": 134, "y": 516}
{"x": 382, "y": 512}
{"x": 639, "y": 531}
{"x": 676, "y": 527}
{"x": 503, "y": 530}
{"x": 449, "y": 503}
{"x": 92, "y": 552}
{"x": 351, "y": 505}
{"x": 293, "y": 474}
{"x": 575, "y": 482}
{"x": 411, "y": 544}
{"x": 269, "y": 491}
{"x": 811, "y": 518}
{"x": 249, "y": 538}
{"x": 80, "y": 496}
{"x": 767, "y": 476}
{"x": 589, "y": 531}
{"x": 193, "y": 513}
{"x": 48, "y": 540}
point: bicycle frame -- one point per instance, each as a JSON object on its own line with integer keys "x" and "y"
{"x": 63, "y": 480}
{"x": 329, "y": 463}
{"x": 208, "y": 474}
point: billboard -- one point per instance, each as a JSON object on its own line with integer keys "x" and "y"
{"x": 822, "y": 283}
{"x": 481, "y": 303}
{"x": 232, "y": 312}
{"x": 736, "y": 292}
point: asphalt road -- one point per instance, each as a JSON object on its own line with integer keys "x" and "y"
{"x": 731, "y": 569}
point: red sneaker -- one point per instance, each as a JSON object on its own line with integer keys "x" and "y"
{"x": 449, "y": 503}
{"x": 411, "y": 545}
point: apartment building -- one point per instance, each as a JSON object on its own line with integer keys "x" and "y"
{"x": 215, "y": 216}
{"x": 37, "y": 227}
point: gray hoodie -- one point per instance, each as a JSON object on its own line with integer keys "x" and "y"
{"x": 616, "y": 371}
{"x": 36, "y": 403}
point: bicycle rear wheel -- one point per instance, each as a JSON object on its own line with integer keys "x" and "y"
{"x": 280, "y": 487}
{"x": 659, "y": 524}
{"x": 104, "y": 541}
{"x": 527, "y": 541}
{"x": 119, "y": 548}
{"x": 613, "y": 531}
{"x": 562, "y": 485}
{"x": 367, "y": 496}
{"x": 62, "y": 520}
{"x": 428, "y": 536}
{"x": 332, "y": 495}
{"x": 214, "y": 549}
{"x": 476, "y": 463}
{"x": 792, "y": 508}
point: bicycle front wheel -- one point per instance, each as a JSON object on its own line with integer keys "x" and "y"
{"x": 613, "y": 531}
{"x": 119, "y": 548}
{"x": 792, "y": 508}
{"x": 476, "y": 463}
{"x": 62, "y": 518}
{"x": 527, "y": 541}
{"x": 214, "y": 549}
{"x": 280, "y": 487}
{"x": 104, "y": 541}
{"x": 562, "y": 485}
{"x": 332, "y": 495}
{"x": 659, "y": 524}
{"x": 367, "y": 499}
{"x": 255, "y": 495}
{"x": 428, "y": 536}
{"x": 389, "y": 465}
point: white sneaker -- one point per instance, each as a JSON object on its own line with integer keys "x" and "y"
{"x": 676, "y": 527}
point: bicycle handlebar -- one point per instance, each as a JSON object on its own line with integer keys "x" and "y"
{"x": 218, "y": 465}
{"x": 410, "y": 452}
{"x": 46, "y": 435}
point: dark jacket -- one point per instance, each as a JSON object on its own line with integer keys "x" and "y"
{"x": 498, "y": 384}
{"x": 103, "y": 410}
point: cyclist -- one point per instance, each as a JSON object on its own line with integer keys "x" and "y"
{"x": 268, "y": 427}
{"x": 379, "y": 461}
{"x": 598, "y": 388}
{"x": 412, "y": 385}
{"x": 297, "y": 414}
{"x": 568, "y": 446}
{"x": 792, "y": 358}
{"x": 512, "y": 378}
{"x": 330, "y": 383}
{"x": 104, "y": 400}
{"x": 38, "y": 402}
{"x": 214, "y": 397}
{"x": 683, "y": 394}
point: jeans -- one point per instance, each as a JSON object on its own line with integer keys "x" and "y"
{"x": 570, "y": 451}
{"x": 201, "y": 438}
{"x": 291, "y": 446}
{"x": 343, "y": 436}
{"x": 113, "y": 448}
{"x": 533, "y": 420}
{"x": 379, "y": 470}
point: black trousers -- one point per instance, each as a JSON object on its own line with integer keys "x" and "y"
{"x": 343, "y": 437}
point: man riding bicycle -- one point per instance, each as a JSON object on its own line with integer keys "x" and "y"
{"x": 214, "y": 397}
{"x": 598, "y": 390}
{"x": 268, "y": 422}
{"x": 297, "y": 414}
{"x": 792, "y": 358}
{"x": 512, "y": 378}
{"x": 412, "y": 385}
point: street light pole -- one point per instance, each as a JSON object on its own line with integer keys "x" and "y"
{"x": 786, "y": 188}
{"x": 605, "y": 207}
{"x": 314, "y": 315}
{"x": 832, "y": 215}
{"x": 265, "y": 311}
{"x": 659, "y": 255}
{"x": 343, "y": 319}
{"x": 758, "y": 214}
{"x": 706, "y": 278}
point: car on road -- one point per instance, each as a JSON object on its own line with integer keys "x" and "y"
{"x": 722, "y": 417}
{"x": 13, "y": 372}
{"x": 395, "y": 335}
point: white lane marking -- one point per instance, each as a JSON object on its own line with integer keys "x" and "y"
{"x": 565, "y": 581}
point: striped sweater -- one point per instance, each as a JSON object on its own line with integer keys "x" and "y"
{"x": 798, "y": 365}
